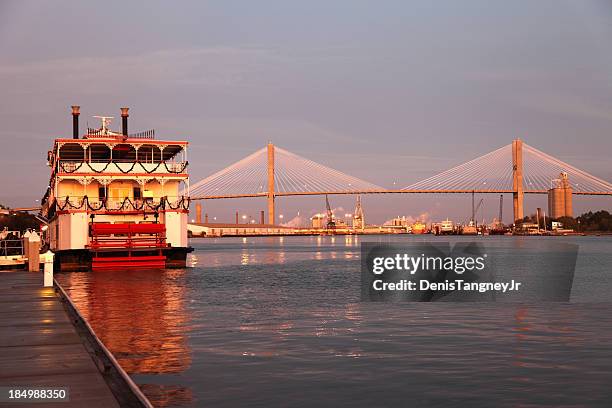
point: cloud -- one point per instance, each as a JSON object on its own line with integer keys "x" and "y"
{"x": 565, "y": 104}
{"x": 199, "y": 67}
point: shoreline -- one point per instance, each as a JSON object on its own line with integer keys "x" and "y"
{"x": 569, "y": 234}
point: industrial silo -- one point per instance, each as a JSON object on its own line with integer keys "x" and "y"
{"x": 567, "y": 195}
{"x": 560, "y": 197}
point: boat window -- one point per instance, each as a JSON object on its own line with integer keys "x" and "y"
{"x": 72, "y": 152}
{"x": 172, "y": 152}
{"x": 97, "y": 153}
{"x": 149, "y": 154}
{"x": 124, "y": 153}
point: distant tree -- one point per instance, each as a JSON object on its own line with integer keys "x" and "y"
{"x": 528, "y": 218}
{"x": 590, "y": 221}
{"x": 568, "y": 222}
{"x": 599, "y": 221}
{"x": 595, "y": 221}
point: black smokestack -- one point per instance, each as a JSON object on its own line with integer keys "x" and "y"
{"x": 124, "y": 118}
{"x": 75, "y": 121}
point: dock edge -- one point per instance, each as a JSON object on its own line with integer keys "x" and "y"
{"x": 104, "y": 359}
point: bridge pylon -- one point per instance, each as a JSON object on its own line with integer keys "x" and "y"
{"x": 517, "y": 179}
{"x": 271, "y": 214}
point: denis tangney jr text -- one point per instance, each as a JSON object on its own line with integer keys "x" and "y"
{"x": 421, "y": 266}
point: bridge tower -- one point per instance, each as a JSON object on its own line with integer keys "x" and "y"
{"x": 271, "y": 216}
{"x": 517, "y": 178}
{"x": 198, "y": 213}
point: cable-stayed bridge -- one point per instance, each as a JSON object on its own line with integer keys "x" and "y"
{"x": 516, "y": 169}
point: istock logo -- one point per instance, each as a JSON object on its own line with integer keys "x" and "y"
{"x": 413, "y": 264}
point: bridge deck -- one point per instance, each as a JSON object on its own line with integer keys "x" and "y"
{"x": 39, "y": 346}
{"x": 308, "y": 193}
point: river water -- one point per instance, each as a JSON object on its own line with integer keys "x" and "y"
{"x": 278, "y": 321}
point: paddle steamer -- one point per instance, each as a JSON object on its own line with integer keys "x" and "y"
{"x": 113, "y": 199}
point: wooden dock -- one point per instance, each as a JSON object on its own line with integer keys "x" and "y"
{"x": 39, "y": 345}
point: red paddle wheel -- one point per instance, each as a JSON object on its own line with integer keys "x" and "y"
{"x": 118, "y": 246}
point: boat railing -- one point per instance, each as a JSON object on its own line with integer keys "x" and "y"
{"x": 100, "y": 133}
{"x": 147, "y": 134}
{"x": 146, "y": 204}
{"x": 11, "y": 247}
{"x": 146, "y": 160}
{"x": 122, "y": 166}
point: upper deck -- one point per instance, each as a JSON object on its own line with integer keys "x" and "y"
{"x": 113, "y": 154}
{"x": 118, "y": 157}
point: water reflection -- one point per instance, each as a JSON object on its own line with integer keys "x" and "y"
{"x": 168, "y": 395}
{"x": 140, "y": 316}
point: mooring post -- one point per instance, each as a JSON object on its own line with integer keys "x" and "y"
{"x": 271, "y": 215}
{"x": 517, "y": 179}
{"x": 33, "y": 252}
{"x": 48, "y": 269}
{"x": 25, "y": 241}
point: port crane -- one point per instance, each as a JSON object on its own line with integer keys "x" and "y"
{"x": 475, "y": 209}
{"x": 331, "y": 224}
{"x": 501, "y": 209}
{"x": 498, "y": 225}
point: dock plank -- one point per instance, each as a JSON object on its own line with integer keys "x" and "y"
{"x": 25, "y": 318}
{"x": 39, "y": 346}
{"x": 45, "y": 360}
{"x": 33, "y": 317}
